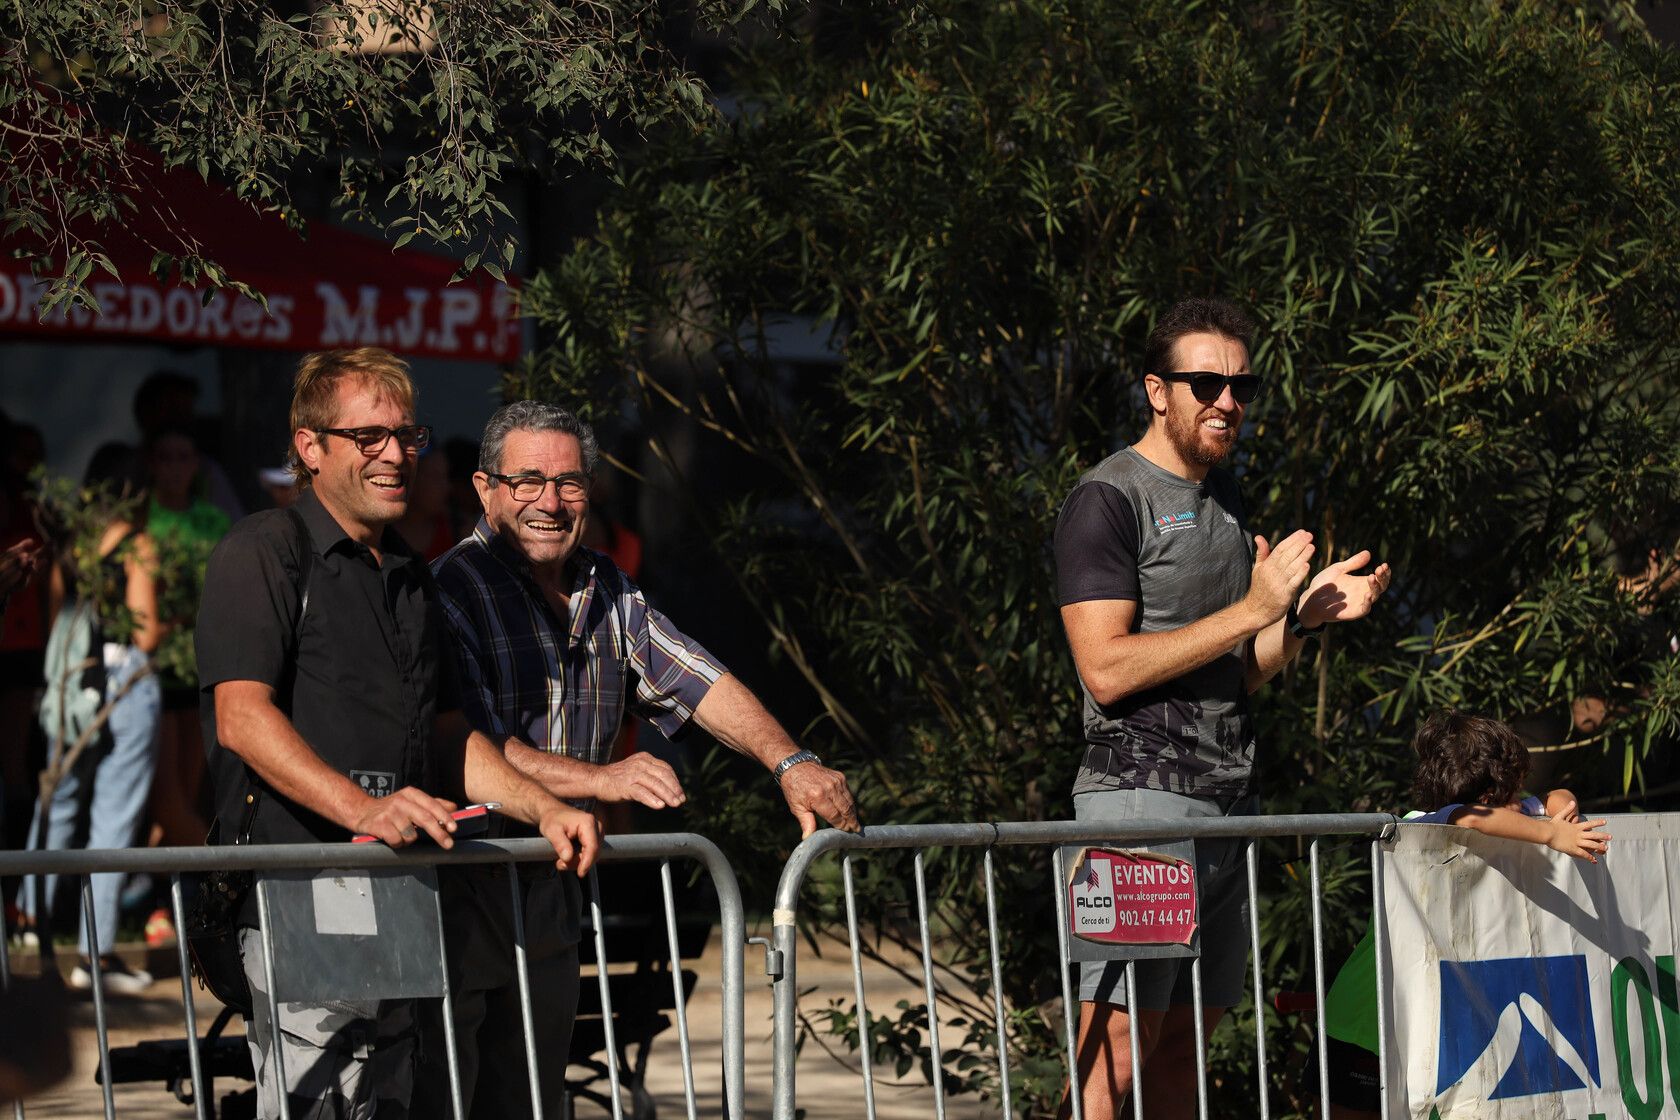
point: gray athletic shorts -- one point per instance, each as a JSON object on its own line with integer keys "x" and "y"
{"x": 1222, "y": 905}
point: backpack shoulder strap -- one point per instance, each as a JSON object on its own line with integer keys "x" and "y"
{"x": 305, "y": 551}
{"x": 306, "y": 564}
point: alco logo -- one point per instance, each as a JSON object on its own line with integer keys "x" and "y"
{"x": 1523, "y": 1024}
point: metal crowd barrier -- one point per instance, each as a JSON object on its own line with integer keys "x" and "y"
{"x": 277, "y": 857}
{"x": 785, "y": 945}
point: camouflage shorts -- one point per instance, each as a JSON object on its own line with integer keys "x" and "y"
{"x": 342, "y": 1060}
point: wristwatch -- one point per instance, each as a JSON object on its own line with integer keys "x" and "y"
{"x": 793, "y": 760}
{"x": 1298, "y": 630}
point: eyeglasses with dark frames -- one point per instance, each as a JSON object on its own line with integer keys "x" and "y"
{"x": 530, "y": 487}
{"x": 372, "y": 439}
{"x": 1206, "y": 387}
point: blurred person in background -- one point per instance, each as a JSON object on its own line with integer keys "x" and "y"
{"x": 34, "y": 1021}
{"x": 279, "y": 485}
{"x": 23, "y": 633}
{"x": 186, "y": 526}
{"x": 427, "y": 527}
{"x": 100, "y": 797}
{"x": 168, "y": 399}
{"x": 462, "y": 456}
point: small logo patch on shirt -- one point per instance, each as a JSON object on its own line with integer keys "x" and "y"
{"x": 1172, "y": 522}
{"x": 375, "y": 783}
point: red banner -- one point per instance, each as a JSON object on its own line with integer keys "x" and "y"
{"x": 1132, "y": 898}
{"x": 337, "y": 288}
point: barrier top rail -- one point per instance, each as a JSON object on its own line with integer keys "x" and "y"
{"x": 277, "y": 857}
{"x": 982, "y": 833}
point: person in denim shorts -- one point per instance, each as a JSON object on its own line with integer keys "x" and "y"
{"x": 1175, "y": 612}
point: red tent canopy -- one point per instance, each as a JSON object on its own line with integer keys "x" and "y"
{"x": 335, "y": 288}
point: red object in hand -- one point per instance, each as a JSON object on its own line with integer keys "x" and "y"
{"x": 470, "y": 821}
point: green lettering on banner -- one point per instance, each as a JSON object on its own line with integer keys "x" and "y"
{"x": 1668, "y": 995}
{"x": 1631, "y": 972}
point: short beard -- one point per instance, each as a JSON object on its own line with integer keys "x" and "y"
{"x": 1186, "y": 437}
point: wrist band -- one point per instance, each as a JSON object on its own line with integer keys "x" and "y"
{"x": 1292, "y": 623}
{"x": 793, "y": 760}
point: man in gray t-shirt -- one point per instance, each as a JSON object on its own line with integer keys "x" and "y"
{"x": 1174, "y": 614}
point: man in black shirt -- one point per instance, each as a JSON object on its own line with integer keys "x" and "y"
{"x": 319, "y": 661}
{"x": 1174, "y": 614}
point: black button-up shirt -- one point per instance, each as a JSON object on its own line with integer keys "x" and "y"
{"x": 360, "y": 675}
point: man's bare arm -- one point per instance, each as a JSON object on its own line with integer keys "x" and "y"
{"x": 249, "y": 724}
{"x": 640, "y": 777}
{"x": 487, "y": 775}
{"x": 734, "y": 715}
{"x": 1114, "y": 662}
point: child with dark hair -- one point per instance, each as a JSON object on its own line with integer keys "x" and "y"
{"x": 1473, "y": 769}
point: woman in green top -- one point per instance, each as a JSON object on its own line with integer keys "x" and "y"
{"x": 186, "y": 527}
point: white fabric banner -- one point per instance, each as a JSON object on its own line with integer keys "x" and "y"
{"x": 1523, "y": 983}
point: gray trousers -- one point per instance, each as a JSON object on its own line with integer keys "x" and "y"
{"x": 344, "y": 1060}
{"x": 484, "y": 986}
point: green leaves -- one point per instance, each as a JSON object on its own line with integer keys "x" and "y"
{"x": 1454, "y": 223}
{"x": 426, "y": 108}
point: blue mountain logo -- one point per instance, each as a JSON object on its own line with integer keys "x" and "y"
{"x": 1524, "y": 1021}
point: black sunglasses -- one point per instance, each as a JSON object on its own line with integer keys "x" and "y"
{"x": 1206, "y": 387}
{"x": 372, "y": 440}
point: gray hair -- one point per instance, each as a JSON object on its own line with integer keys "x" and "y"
{"x": 534, "y": 416}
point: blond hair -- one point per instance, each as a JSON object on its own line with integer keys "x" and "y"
{"x": 315, "y": 391}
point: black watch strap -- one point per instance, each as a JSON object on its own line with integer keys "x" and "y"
{"x": 1292, "y": 622}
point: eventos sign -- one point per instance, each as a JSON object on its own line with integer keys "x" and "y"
{"x": 1132, "y": 898}
{"x": 1526, "y": 984}
{"x": 471, "y": 321}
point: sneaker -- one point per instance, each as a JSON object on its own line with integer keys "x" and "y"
{"x": 20, "y": 927}
{"x": 159, "y": 929}
{"x": 119, "y": 978}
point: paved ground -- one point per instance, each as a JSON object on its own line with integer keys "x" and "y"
{"x": 826, "y": 1087}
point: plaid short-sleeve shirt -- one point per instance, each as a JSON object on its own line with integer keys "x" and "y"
{"x": 563, "y": 685}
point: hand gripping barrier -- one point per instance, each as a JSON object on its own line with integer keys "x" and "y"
{"x": 990, "y": 836}
{"x": 312, "y": 857}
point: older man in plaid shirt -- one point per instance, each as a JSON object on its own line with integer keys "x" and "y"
{"x": 553, "y": 644}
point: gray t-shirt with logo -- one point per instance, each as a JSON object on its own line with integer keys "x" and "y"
{"x": 1182, "y": 551}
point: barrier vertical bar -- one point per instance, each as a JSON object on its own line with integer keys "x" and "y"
{"x": 1323, "y": 1046}
{"x": 865, "y": 1024}
{"x": 1379, "y": 919}
{"x": 1132, "y": 1035}
{"x": 98, "y": 996}
{"x": 605, "y": 982}
{"x": 677, "y": 986}
{"x": 997, "y": 987}
{"x": 449, "y": 1044}
{"x": 194, "y": 1064}
{"x": 938, "y": 1063}
{"x": 1259, "y": 990}
{"x": 522, "y": 970}
{"x": 784, "y": 933}
{"x": 732, "y": 928}
{"x": 275, "y": 1049}
{"x": 1069, "y": 1005}
{"x": 1201, "y": 1036}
